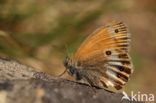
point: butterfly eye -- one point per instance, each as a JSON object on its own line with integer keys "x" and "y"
{"x": 116, "y": 31}
{"x": 65, "y": 63}
{"x": 108, "y": 52}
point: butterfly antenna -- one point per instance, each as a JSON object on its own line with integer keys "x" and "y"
{"x": 67, "y": 53}
{"x": 67, "y": 50}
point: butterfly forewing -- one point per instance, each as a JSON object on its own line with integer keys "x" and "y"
{"x": 103, "y": 56}
{"x": 114, "y": 35}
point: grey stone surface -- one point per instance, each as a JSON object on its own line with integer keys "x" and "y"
{"x": 22, "y": 84}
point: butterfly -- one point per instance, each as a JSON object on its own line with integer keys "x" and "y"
{"x": 102, "y": 60}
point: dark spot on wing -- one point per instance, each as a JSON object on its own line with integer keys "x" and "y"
{"x": 108, "y": 52}
{"x": 123, "y": 45}
{"x": 121, "y": 76}
{"x": 118, "y": 87}
{"x": 124, "y": 38}
{"x": 125, "y": 62}
{"x": 125, "y": 56}
{"x": 122, "y": 68}
{"x": 116, "y": 30}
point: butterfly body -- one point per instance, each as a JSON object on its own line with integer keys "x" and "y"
{"x": 73, "y": 70}
{"x": 102, "y": 59}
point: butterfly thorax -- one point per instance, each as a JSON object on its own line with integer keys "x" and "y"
{"x": 73, "y": 69}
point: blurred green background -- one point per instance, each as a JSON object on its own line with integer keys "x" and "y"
{"x": 37, "y": 33}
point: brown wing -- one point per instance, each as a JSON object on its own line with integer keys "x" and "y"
{"x": 104, "y": 56}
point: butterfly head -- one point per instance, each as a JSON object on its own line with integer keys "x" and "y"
{"x": 69, "y": 66}
{"x": 67, "y": 62}
{"x": 73, "y": 71}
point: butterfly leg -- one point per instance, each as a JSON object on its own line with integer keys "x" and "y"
{"x": 62, "y": 73}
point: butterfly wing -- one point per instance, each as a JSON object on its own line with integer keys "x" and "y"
{"x": 104, "y": 56}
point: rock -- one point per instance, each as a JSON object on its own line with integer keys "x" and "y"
{"x": 22, "y": 84}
